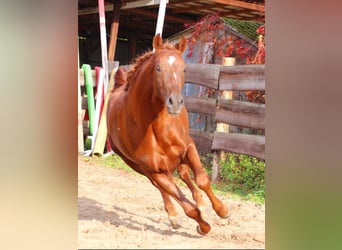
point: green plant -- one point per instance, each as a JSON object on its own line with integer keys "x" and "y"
{"x": 87, "y": 144}
{"x": 114, "y": 161}
{"x": 243, "y": 174}
{"x": 207, "y": 162}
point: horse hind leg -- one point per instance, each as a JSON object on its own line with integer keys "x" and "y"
{"x": 203, "y": 182}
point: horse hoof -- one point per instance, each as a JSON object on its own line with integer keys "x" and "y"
{"x": 175, "y": 222}
{"x": 175, "y": 225}
{"x": 224, "y": 212}
{"x": 205, "y": 212}
{"x": 203, "y": 232}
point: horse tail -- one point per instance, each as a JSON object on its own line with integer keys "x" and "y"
{"x": 120, "y": 77}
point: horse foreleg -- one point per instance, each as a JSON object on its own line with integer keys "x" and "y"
{"x": 165, "y": 183}
{"x": 169, "y": 207}
{"x": 203, "y": 182}
{"x": 171, "y": 210}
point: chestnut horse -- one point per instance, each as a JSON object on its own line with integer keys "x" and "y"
{"x": 148, "y": 128}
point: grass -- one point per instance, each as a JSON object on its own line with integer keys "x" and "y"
{"x": 231, "y": 181}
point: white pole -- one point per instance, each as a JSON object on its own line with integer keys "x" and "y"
{"x": 103, "y": 42}
{"x": 80, "y": 116}
{"x": 161, "y": 17}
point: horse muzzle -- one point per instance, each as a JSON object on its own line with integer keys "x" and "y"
{"x": 174, "y": 104}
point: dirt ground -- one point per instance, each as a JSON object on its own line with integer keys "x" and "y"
{"x": 121, "y": 209}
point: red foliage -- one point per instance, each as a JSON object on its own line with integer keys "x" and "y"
{"x": 261, "y": 30}
{"x": 259, "y": 58}
{"x": 260, "y": 55}
{"x": 208, "y": 30}
{"x": 255, "y": 96}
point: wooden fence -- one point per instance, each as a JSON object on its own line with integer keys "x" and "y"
{"x": 232, "y": 112}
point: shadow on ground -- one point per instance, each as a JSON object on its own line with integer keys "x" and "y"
{"x": 89, "y": 209}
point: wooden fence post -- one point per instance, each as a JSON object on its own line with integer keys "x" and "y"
{"x": 222, "y": 127}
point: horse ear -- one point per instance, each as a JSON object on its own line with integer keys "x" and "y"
{"x": 157, "y": 42}
{"x": 181, "y": 45}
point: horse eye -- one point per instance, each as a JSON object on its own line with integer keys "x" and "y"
{"x": 158, "y": 68}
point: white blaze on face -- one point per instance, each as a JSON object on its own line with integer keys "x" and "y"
{"x": 171, "y": 60}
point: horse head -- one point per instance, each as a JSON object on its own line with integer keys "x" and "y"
{"x": 169, "y": 74}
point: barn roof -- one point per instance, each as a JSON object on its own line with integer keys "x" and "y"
{"x": 139, "y": 16}
{"x": 246, "y": 28}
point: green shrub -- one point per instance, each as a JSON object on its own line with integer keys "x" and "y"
{"x": 244, "y": 175}
{"x": 87, "y": 144}
{"x": 207, "y": 162}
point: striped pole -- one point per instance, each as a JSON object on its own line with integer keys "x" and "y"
{"x": 103, "y": 43}
{"x": 80, "y": 117}
{"x": 99, "y": 97}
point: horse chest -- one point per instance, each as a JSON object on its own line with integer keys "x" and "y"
{"x": 163, "y": 147}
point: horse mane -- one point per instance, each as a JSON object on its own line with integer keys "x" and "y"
{"x": 141, "y": 59}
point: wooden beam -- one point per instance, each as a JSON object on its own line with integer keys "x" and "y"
{"x": 200, "y": 105}
{"x": 248, "y": 120}
{"x": 114, "y": 31}
{"x": 181, "y": 2}
{"x": 241, "y": 4}
{"x": 195, "y": 8}
{"x": 242, "y": 77}
{"x": 210, "y": 7}
{"x": 154, "y": 16}
{"x": 141, "y": 3}
{"x": 93, "y": 10}
{"x": 241, "y": 106}
{"x": 253, "y": 145}
{"x": 202, "y": 74}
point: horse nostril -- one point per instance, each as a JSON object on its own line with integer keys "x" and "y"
{"x": 170, "y": 101}
{"x": 182, "y": 101}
